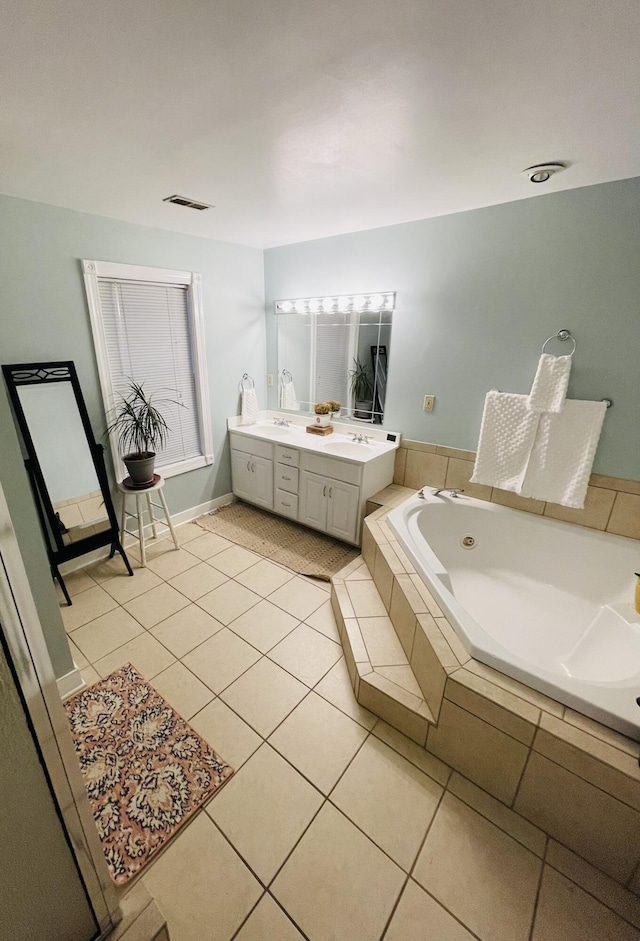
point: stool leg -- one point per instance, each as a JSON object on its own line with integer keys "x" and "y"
{"x": 168, "y": 519}
{"x": 152, "y": 518}
{"x": 123, "y": 516}
{"x": 143, "y": 556}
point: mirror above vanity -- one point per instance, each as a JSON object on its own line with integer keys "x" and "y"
{"x": 335, "y": 348}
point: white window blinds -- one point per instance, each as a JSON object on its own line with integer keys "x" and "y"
{"x": 333, "y": 339}
{"x": 148, "y": 339}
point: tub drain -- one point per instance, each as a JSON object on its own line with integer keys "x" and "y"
{"x": 468, "y": 541}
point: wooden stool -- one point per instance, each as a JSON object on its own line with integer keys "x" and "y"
{"x": 141, "y": 495}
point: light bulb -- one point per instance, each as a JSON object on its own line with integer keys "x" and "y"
{"x": 286, "y": 306}
{"x": 314, "y": 305}
{"x": 300, "y": 307}
{"x": 343, "y": 303}
{"x": 327, "y": 304}
{"x": 377, "y": 300}
{"x": 359, "y": 302}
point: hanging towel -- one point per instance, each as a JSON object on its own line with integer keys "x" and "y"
{"x": 249, "y": 407}
{"x": 289, "y": 400}
{"x": 506, "y": 438}
{"x": 550, "y": 383}
{"x": 562, "y": 455}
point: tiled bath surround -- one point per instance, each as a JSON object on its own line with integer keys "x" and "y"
{"x": 574, "y": 778}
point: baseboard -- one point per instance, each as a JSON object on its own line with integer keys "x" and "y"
{"x": 178, "y": 519}
{"x": 70, "y": 683}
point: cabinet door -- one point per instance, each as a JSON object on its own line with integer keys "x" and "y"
{"x": 342, "y": 510}
{"x": 241, "y": 476}
{"x": 312, "y": 501}
{"x": 262, "y": 484}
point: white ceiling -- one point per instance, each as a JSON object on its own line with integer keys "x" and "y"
{"x": 305, "y": 118}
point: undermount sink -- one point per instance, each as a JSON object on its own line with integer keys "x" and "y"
{"x": 347, "y": 448}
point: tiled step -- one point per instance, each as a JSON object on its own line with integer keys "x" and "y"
{"x": 380, "y": 672}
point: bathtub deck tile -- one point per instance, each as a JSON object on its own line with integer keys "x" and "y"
{"x": 403, "y": 558}
{"x": 595, "y": 514}
{"x": 460, "y": 651}
{"x": 518, "y": 689}
{"x": 382, "y": 642}
{"x": 616, "y": 739}
{"x": 493, "y": 704}
{"x": 427, "y": 597}
{"x": 383, "y": 698}
{"x": 402, "y": 615}
{"x": 438, "y": 641}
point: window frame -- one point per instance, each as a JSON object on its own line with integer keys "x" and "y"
{"x": 94, "y": 270}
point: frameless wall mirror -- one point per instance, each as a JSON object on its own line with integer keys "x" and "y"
{"x": 65, "y": 463}
{"x": 335, "y": 349}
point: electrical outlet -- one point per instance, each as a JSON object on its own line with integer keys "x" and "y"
{"x": 270, "y": 379}
{"x": 429, "y": 402}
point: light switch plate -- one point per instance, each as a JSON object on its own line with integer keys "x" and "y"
{"x": 429, "y": 402}
{"x": 270, "y": 379}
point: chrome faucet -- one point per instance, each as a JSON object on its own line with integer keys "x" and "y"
{"x": 361, "y": 439}
{"x": 282, "y": 422}
{"x": 452, "y": 491}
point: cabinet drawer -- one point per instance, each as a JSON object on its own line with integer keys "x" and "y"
{"x": 287, "y": 478}
{"x": 286, "y": 504}
{"x": 249, "y": 445}
{"x": 331, "y": 467}
{"x": 289, "y": 456}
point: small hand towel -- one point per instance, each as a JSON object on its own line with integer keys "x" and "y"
{"x": 249, "y": 407}
{"x": 549, "y": 387}
{"x": 506, "y": 438}
{"x": 289, "y": 400}
{"x": 562, "y": 455}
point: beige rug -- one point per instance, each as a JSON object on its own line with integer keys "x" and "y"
{"x": 302, "y": 550}
{"x": 145, "y": 769}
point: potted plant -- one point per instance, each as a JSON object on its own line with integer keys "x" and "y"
{"x": 335, "y": 408}
{"x": 361, "y": 388}
{"x": 323, "y": 413}
{"x": 141, "y": 430}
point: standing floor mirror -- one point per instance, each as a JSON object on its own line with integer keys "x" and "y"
{"x": 65, "y": 463}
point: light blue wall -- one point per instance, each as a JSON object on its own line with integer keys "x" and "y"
{"x": 43, "y": 316}
{"x": 477, "y": 294}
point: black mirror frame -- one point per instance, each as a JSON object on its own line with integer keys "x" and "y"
{"x": 24, "y": 374}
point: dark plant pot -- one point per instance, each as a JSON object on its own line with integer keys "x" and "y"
{"x": 140, "y": 466}
{"x": 363, "y": 409}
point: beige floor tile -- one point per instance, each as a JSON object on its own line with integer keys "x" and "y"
{"x": 389, "y": 798}
{"x": 324, "y": 620}
{"x": 125, "y": 588}
{"x": 182, "y": 690}
{"x": 156, "y": 605}
{"x": 172, "y": 563}
{"x": 221, "y": 659}
{"x": 365, "y": 599}
{"x": 264, "y": 625}
{"x": 234, "y": 560}
{"x": 566, "y": 912}
{"x": 206, "y": 546}
{"x": 226, "y": 732}
{"x": 264, "y": 810}
{"x": 187, "y": 878}
{"x": 478, "y": 873}
{"x": 336, "y": 688}
{"x": 307, "y": 654}
{"x": 359, "y": 574}
{"x": 228, "y": 602}
{"x": 186, "y": 629}
{"x": 89, "y": 675}
{"x": 108, "y": 568}
{"x": 268, "y": 921}
{"x": 264, "y": 696}
{"x": 153, "y": 548}
{"x": 264, "y": 577}
{"x": 402, "y": 676}
{"x": 319, "y": 741}
{"x": 382, "y": 642}
{"x": 188, "y": 532}
{"x": 298, "y": 597}
{"x": 418, "y": 917}
{"x": 198, "y": 581}
{"x": 76, "y": 582}
{"x": 336, "y": 884}
{"x": 144, "y": 652}
{"x": 87, "y": 606}
{"x": 99, "y": 637}
{"x": 414, "y": 753}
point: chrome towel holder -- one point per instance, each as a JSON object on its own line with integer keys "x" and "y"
{"x": 564, "y": 335}
{"x": 247, "y": 378}
{"x": 286, "y": 376}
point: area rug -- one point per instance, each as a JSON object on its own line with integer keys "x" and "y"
{"x": 145, "y": 769}
{"x": 302, "y": 550}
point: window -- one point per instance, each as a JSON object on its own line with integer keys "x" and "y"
{"x": 148, "y": 326}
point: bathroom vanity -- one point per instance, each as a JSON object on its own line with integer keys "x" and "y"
{"x": 320, "y": 482}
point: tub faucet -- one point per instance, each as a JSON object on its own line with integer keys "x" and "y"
{"x": 452, "y": 491}
{"x": 282, "y": 422}
{"x": 361, "y": 439}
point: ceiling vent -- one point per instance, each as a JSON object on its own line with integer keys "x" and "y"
{"x": 185, "y": 201}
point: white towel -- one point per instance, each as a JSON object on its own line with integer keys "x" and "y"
{"x": 563, "y": 452}
{"x": 550, "y": 383}
{"x": 249, "y": 407}
{"x": 506, "y": 438}
{"x": 289, "y": 399}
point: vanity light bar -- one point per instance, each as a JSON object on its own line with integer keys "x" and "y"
{"x": 342, "y": 303}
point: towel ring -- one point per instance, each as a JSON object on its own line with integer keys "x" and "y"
{"x": 561, "y": 335}
{"x": 247, "y": 378}
{"x": 286, "y": 376}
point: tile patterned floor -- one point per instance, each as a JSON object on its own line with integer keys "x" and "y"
{"x": 335, "y": 826}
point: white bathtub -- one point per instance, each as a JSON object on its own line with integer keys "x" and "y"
{"x": 545, "y": 602}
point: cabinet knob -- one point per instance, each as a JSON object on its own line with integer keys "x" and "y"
{"x": 330, "y": 492}
{"x": 324, "y": 491}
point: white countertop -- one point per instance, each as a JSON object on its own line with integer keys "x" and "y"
{"x": 340, "y": 444}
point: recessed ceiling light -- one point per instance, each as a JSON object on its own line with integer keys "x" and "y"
{"x": 542, "y": 172}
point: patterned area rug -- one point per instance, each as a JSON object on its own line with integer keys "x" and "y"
{"x": 302, "y": 550}
{"x": 145, "y": 769}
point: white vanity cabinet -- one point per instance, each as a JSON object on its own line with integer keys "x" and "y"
{"x": 252, "y": 470}
{"x": 330, "y": 496}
